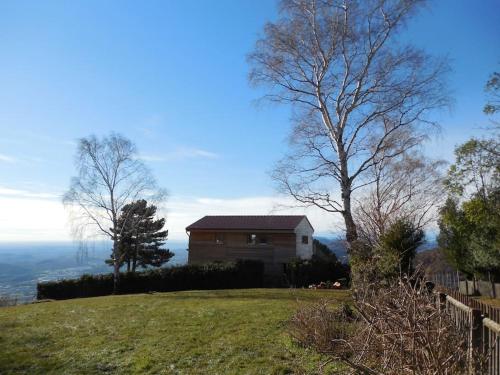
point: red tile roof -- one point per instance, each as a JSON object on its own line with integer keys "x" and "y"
{"x": 265, "y": 222}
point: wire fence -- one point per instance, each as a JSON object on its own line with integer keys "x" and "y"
{"x": 13, "y": 300}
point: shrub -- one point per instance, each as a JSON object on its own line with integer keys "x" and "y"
{"x": 302, "y": 273}
{"x": 321, "y": 327}
{"x": 397, "y": 328}
{"x": 241, "y": 274}
{"x": 397, "y": 248}
{"x": 389, "y": 258}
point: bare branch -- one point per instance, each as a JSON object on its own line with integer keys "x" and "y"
{"x": 341, "y": 66}
{"x": 109, "y": 176}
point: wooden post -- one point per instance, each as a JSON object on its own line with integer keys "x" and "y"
{"x": 491, "y": 335}
{"x": 441, "y": 301}
{"x": 492, "y": 286}
{"x": 476, "y": 329}
{"x": 475, "y": 337}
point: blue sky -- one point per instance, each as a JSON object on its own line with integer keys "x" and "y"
{"x": 172, "y": 76}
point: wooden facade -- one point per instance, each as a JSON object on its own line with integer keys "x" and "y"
{"x": 275, "y": 248}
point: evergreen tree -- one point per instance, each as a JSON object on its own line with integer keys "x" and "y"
{"x": 142, "y": 237}
{"x": 470, "y": 220}
{"x": 470, "y": 235}
{"x": 397, "y": 248}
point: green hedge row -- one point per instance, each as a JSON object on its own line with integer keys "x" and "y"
{"x": 302, "y": 273}
{"x": 241, "y": 274}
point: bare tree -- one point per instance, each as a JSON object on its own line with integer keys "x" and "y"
{"x": 407, "y": 188}
{"x": 109, "y": 176}
{"x": 352, "y": 86}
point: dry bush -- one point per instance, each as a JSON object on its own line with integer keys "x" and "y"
{"x": 321, "y": 327}
{"x": 404, "y": 332}
{"x": 395, "y": 329}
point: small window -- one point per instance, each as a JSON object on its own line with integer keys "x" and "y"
{"x": 252, "y": 239}
{"x": 263, "y": 240}
{"x": 305, "y": 240}
{"x": 219, "y": 238}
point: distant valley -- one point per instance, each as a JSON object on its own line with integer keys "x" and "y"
{"x": 22, "y": 265}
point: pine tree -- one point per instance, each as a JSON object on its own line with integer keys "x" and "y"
{"x": 142, "y": 237}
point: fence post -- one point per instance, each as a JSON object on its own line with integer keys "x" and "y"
{"x": 441, "y": 301}
{"x": 476, "y": 336}
{"x": 476, "y": 328}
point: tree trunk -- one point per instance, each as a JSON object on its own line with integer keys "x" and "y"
{"x": 116, "y": 266}
{"x": 351, "y": 230}
{"x": 128, "y": 265}
{"x": 345, "y": 185}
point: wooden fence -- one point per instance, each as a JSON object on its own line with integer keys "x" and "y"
{"x": 480, "y": 321}
{"x": 456, "y": 281}
{"x": 449, "y": 280}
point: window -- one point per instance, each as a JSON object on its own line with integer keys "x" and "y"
{"x": 219, "y": 238}
{"x": 263, "y": 240}
{"x": 252, "y": 239}
{"x": 305, "y": 240}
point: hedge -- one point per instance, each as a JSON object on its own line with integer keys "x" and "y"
{"x": 241, "y": 274}
{"x": 302, "y": 273}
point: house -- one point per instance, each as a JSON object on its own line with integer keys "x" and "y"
{"x": 272, "y": 239}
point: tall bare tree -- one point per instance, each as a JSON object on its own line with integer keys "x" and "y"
{"x": 352, "y": 85}
{"x": 110, "y": 175}
{"x": 407, "y": 188}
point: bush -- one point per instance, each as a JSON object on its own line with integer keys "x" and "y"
{"x": 241, "y": 274}
{"x": 397, "y": 328}
{"x": 321, "y": 327}
{"x": 302, "y": 273}
{"x": 389, "y": 258}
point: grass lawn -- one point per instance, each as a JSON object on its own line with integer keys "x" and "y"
{"x": 194, "y": 332}
{"x": 495, "y": 302}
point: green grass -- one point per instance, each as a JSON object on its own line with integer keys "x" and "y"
{"x": 495, "y": 302}
{"x": 195, "y": 332}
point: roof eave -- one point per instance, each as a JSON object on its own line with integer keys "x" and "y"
{"x": 246, "y": 230}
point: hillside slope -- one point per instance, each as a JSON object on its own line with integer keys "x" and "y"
{"x": 195, "y": 332}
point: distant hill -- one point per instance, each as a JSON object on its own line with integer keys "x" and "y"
{"x": 338, "y": 247}
{"x": 12, "y": 272}
{"x": 22, "y": 265}
{"x": 433, "y": 261}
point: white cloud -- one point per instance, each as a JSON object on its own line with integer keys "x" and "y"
{"x": 33, "y": 219}
{"x": 181, "y": 153}
{"x": 38, "y": 216}
{"x": 26, "y": 194}
{"x": 25, "y": 160}
{"x": 182, "y": 211}
{"x": 152, "y": 158}
{"x": 7, "y": 158}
